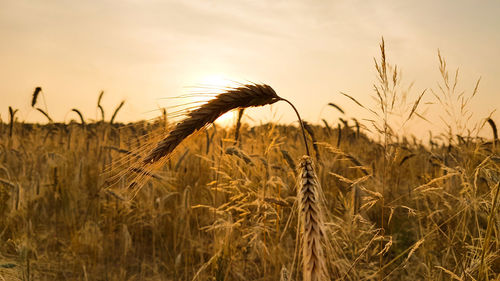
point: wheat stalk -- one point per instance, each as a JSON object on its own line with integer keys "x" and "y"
{"x": 45, "y": 114}
{"x": 116, "y": 112}
{"x": 82, "y": 120}
{"x": 99, "y": 104}
{"x": 238, "y": 125}
{"x": 311, "y": 221}
{"x": 242, "y": 97}
{"x": 12, "y": 114}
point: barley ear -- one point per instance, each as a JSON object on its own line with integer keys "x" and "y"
{"x": 311, "y": 222}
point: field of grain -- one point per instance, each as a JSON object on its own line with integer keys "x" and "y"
{"x": 243, "y": 203}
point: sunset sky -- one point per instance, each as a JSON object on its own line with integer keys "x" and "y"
{"x": 143, "y": 51}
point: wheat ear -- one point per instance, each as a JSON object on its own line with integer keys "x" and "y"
{"x": 35, "y": 96}
{"x": 311, "y": 221}
{"x": 241, "y": 97}
{"x": 493, "y": 128}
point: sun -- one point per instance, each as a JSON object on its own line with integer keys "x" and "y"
{"x": 215, "y": 84}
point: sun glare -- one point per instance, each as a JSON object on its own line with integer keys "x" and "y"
{"x": 215, "y": 84}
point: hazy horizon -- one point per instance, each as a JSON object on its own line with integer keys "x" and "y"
{"x": 145, "y": 51}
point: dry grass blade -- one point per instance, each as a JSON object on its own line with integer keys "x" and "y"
{"x": 277, "y": 201}
{"x": 7, "y": 183}
{"x": 358, "y": 103}
{"x": 415, "y": 105}
{"x": 196, "y": 119}
{"x": 449, "y": 272}
{"x": 311, "y": 221}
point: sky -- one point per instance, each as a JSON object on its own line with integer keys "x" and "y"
{"x": 146, "y": 51}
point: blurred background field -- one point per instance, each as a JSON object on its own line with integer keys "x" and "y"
{"x": 219, "y": 210}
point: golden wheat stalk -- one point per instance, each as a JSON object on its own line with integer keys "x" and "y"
{"x": 311, "y": 221}
{"x": 242, "y": 97}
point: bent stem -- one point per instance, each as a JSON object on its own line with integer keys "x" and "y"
{"x": 301, "y": 124}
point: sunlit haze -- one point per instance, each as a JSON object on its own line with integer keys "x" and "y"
{"x": 145, "y": 52}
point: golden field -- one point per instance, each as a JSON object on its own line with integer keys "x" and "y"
{"x": 393, "y": 207}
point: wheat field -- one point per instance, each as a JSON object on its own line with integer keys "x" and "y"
{"x": 79, "y": 201}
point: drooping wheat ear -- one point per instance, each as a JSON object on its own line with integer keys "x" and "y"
{"x": 82, "y": 120}
{"x": 337, "y": 107}
{"x": 241, "y": 97}
{"x": 311, "y": 221}
{"x": 493, "y": 128}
